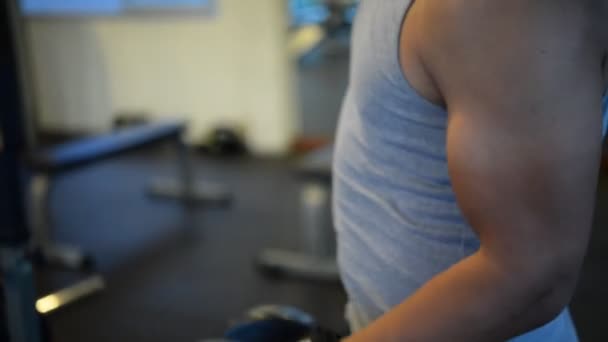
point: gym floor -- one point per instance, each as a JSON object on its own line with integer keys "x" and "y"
{"x": 171, "y": 279}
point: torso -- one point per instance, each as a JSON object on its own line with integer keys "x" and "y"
{"x": 395, "y": 212}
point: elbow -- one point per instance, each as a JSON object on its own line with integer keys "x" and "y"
{"x": 541, "y": 287}
{"x": 551, "y": 305}
{"x": 549, "y": 290}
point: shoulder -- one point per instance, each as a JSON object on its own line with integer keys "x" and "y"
{"x": 528, "y": 19}
{"x": 508, "y": 42}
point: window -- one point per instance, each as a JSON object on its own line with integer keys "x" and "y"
{"x": 111, "y": 7}
{"x": 42, "y": 7}
{"x": 305, "y": 12}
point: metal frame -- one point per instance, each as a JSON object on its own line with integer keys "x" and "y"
{"x": 299, "y": 264}
{"x": 19, "y": 293}
{"x": 16, "y": 270}
{"x": 18, "y": 276}
{"x": 185, "y": 189}
{"x": 56, "y": 254}
{"x": 70, "y": 294}
{"x": 41, "y": 243}
{"x": 317, "y": 261}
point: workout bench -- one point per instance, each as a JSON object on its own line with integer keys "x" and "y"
{"x": 64, "y": 158}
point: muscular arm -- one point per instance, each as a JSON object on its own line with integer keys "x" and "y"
{"x": 522, "y": 84}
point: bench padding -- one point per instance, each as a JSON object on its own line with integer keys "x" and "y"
{"x": 83, "y": 151}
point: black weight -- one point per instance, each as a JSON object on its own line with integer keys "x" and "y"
{"x": 269, "y": 330}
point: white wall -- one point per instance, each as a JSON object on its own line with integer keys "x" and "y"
{"x": 231, "y": 67}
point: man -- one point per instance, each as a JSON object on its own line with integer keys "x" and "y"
{"x": 466, "y": 165}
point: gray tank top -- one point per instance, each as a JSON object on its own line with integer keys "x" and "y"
{"x": 396, "y": 216}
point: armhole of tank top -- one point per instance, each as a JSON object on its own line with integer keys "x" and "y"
{"x": 409, "y": 85}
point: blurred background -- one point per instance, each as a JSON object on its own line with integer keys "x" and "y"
{"x": 166, "y": 168}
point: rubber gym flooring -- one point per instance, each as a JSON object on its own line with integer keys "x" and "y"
{"x": 176, "y": 280}
{"x": 171, "y": 279}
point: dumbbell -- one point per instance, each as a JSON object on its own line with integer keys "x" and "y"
{"x": 275, "y": 323}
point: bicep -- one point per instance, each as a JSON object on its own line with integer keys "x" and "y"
{"x": 525, "y": 191}
{"x": 524, "y": 135}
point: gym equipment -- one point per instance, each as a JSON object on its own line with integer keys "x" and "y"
{"x": 269, "y": 330}
{"x": 288, "y": 313}
{"x": 20, "y": 237}
{"x": 317, "y": 260}
{"x": 275, "y": 323}
{"x": 59, "y": 160}
{"x": 22, "y": 322}
{"x": 185, "y": 189}
{"x": 64, "y": 158}
{"x": 270, "y": 323}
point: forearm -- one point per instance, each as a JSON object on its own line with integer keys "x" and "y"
{"x": 473, "y": 301}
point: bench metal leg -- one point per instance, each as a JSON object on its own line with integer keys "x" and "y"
{"x": 51, "y": 252}
{"x": 68, "y": 295}
{"x": 317, "y": 261}
{"x": 185, "y": 188}
{"x": 298, "y": 264}
{"x": 56, "y": 254}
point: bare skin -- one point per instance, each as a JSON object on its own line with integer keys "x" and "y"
{"x": 522, "y": 82}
